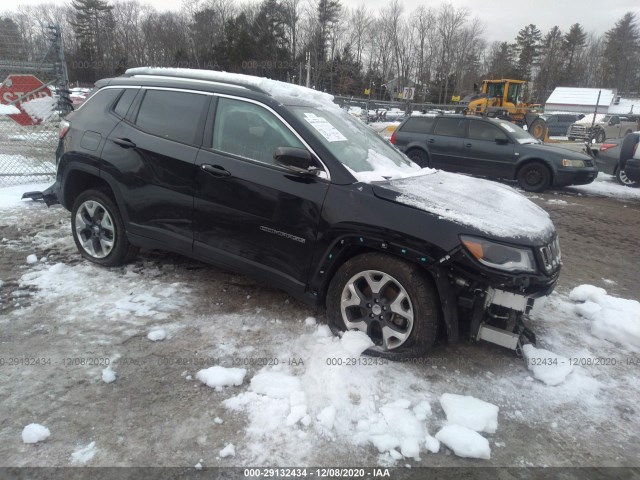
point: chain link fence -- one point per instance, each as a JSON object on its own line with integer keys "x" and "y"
{"x": 33, "y": 100}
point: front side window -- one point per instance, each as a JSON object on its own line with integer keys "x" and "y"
{"x": 479, "y": 130}
{"x": 250, "y": 131}
{"x": 172, "y": 115}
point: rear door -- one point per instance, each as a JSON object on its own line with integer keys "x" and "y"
{"x": 488, "y": 151}
{"x": 151, "y": 157}
{"x": 250, "y": 213}
{"x": 445, "y": 144}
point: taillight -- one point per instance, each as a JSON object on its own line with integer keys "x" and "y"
{"x": 606, "y": 146}
{"x": 393, "y": 138}
{"x": 64, "y": 128}
{"x": 635, "y": 149}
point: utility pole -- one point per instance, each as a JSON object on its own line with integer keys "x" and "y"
{"x": 308, "y": 70}
{"x": 64, "y": 102}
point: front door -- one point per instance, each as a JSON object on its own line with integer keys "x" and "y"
{"x": 488, "y": 151}
{"x": 250, "y": 213}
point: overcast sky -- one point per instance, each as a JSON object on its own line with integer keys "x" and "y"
{"x": 502, "y": 18}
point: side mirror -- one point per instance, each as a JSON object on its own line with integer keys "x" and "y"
{"x": 502, "y": 141}
{"x": 298, "y": 160}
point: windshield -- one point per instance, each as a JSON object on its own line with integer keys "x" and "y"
{"x": 517, "y": 133}
{"x": 367, "y": 156}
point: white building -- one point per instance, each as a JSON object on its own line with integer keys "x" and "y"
{"x": 580, "y": 100}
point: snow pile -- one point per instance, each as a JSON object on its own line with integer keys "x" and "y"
{"x": 284, "y": 92}
{"x": 32, "y": 259}
{"x": 488, "y": 206}
{"x": 464, "y": 442}
{"x": 614, "y": 319}
{"x": 84, "y": 454}
{"x": 40, "y": 109}
{"x": 157, "y": 334}
{"x": 331, "y": 398}
{"x": 546, "y": 366}
{"x": 218, "y": 377}
{"x": 8, "y": 109}
{"x": 470, "y": 412}
{"x": 108, "y": 375}
{"x": 34, "y": 433}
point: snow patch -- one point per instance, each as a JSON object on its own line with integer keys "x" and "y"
{"x": 9, "y": 110}
{"x": 34, "y": 433}
{"x": 464, "y": 442}
{"x": 470, "y": 412}
{"x": 108, "y": 375}
{"x": 546, "y": 366}
{"x": 157, "y": 334}
{"x": 33, "y": 258}
{"x": 614, "y": 319}
{"x": 228, "y": 451}
{"x": 217, "y": 377}
{"x": 488, "y": 206}
{"x": 84, "y": 454}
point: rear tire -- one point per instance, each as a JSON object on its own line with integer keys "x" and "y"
{"x": 392, "y": 301}
{"x": 534, "y": 177}
{"x": 98, "y": 230}
{"x": 539, "y": 129}
{"x": 419, "y": 156}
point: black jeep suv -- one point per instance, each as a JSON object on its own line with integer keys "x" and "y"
{"x": 276, "y": 181}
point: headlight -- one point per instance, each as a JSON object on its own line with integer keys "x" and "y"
{"x": 572, "y": 163}
{"x": 502, "y": 257}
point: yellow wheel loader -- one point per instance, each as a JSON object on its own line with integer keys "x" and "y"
{"x": 501, "y": 99}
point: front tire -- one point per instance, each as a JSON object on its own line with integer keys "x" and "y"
{"x": 534, "y": 177}
{"x": 600, "y": 136}
{"x": 419, "y": 156}
{"x": 623, "y": 180}
{"x": 98, "y": 230}
{"x": 392, "y": 301}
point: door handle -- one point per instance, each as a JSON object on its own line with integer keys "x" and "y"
{"x": 431, "y": 140}
{"x": 468, "y": 145}
{"x": 216, "y": 170}
{"x": 124, "y": 142}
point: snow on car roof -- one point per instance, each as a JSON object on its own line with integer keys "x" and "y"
{"x": 287, "y": 93}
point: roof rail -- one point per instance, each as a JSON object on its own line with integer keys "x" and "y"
{"x": 238, "y": 80}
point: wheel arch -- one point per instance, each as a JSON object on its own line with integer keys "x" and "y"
{"x": 526, "y": 161}
{"x": 346, "y": 248}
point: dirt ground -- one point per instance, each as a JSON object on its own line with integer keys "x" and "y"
{"x": 154, "y": 416}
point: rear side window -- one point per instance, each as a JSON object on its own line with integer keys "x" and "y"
{"x": 172, "y": 115}
{"x": 100, "y": 102}
{"x": 418, "y": 125}
{"x": 124, "y": 102}
{"x": 450, "y": 127}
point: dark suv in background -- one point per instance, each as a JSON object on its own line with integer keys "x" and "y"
{"x": 490, "y": 147}
{"x": 276, "y": 181}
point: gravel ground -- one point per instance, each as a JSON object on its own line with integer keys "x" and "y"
{"x": 155, "y": 414}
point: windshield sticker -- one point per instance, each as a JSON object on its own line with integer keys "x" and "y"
{"x": 324, "y": 128}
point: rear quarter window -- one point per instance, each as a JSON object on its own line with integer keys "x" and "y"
{"x": 124, "y": 102}
{"x": 100, "y": 102}
{"x": 418, "y": 125}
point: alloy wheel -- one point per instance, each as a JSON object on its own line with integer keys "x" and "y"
{"x": 95, "y": 229}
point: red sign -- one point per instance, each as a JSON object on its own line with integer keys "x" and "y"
{"x": 17, "y": 86}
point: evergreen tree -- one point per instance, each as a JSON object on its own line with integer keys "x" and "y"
{"x": 527, "y": 44}
{"x": 92, "y": 24}
{"x": 621, "y": 52}
{"x": 573, "y": 43}
{"x": 550, "y": 64}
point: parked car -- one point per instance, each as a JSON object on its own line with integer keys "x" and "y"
{"x": 610, "y": 126}
{"x": 559, "y": 123}
{"x": 607, "y": 159}
{"x": 275, "y": 181}
{"x": 630, "y": 159}
{"x": 491, "y": 147}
